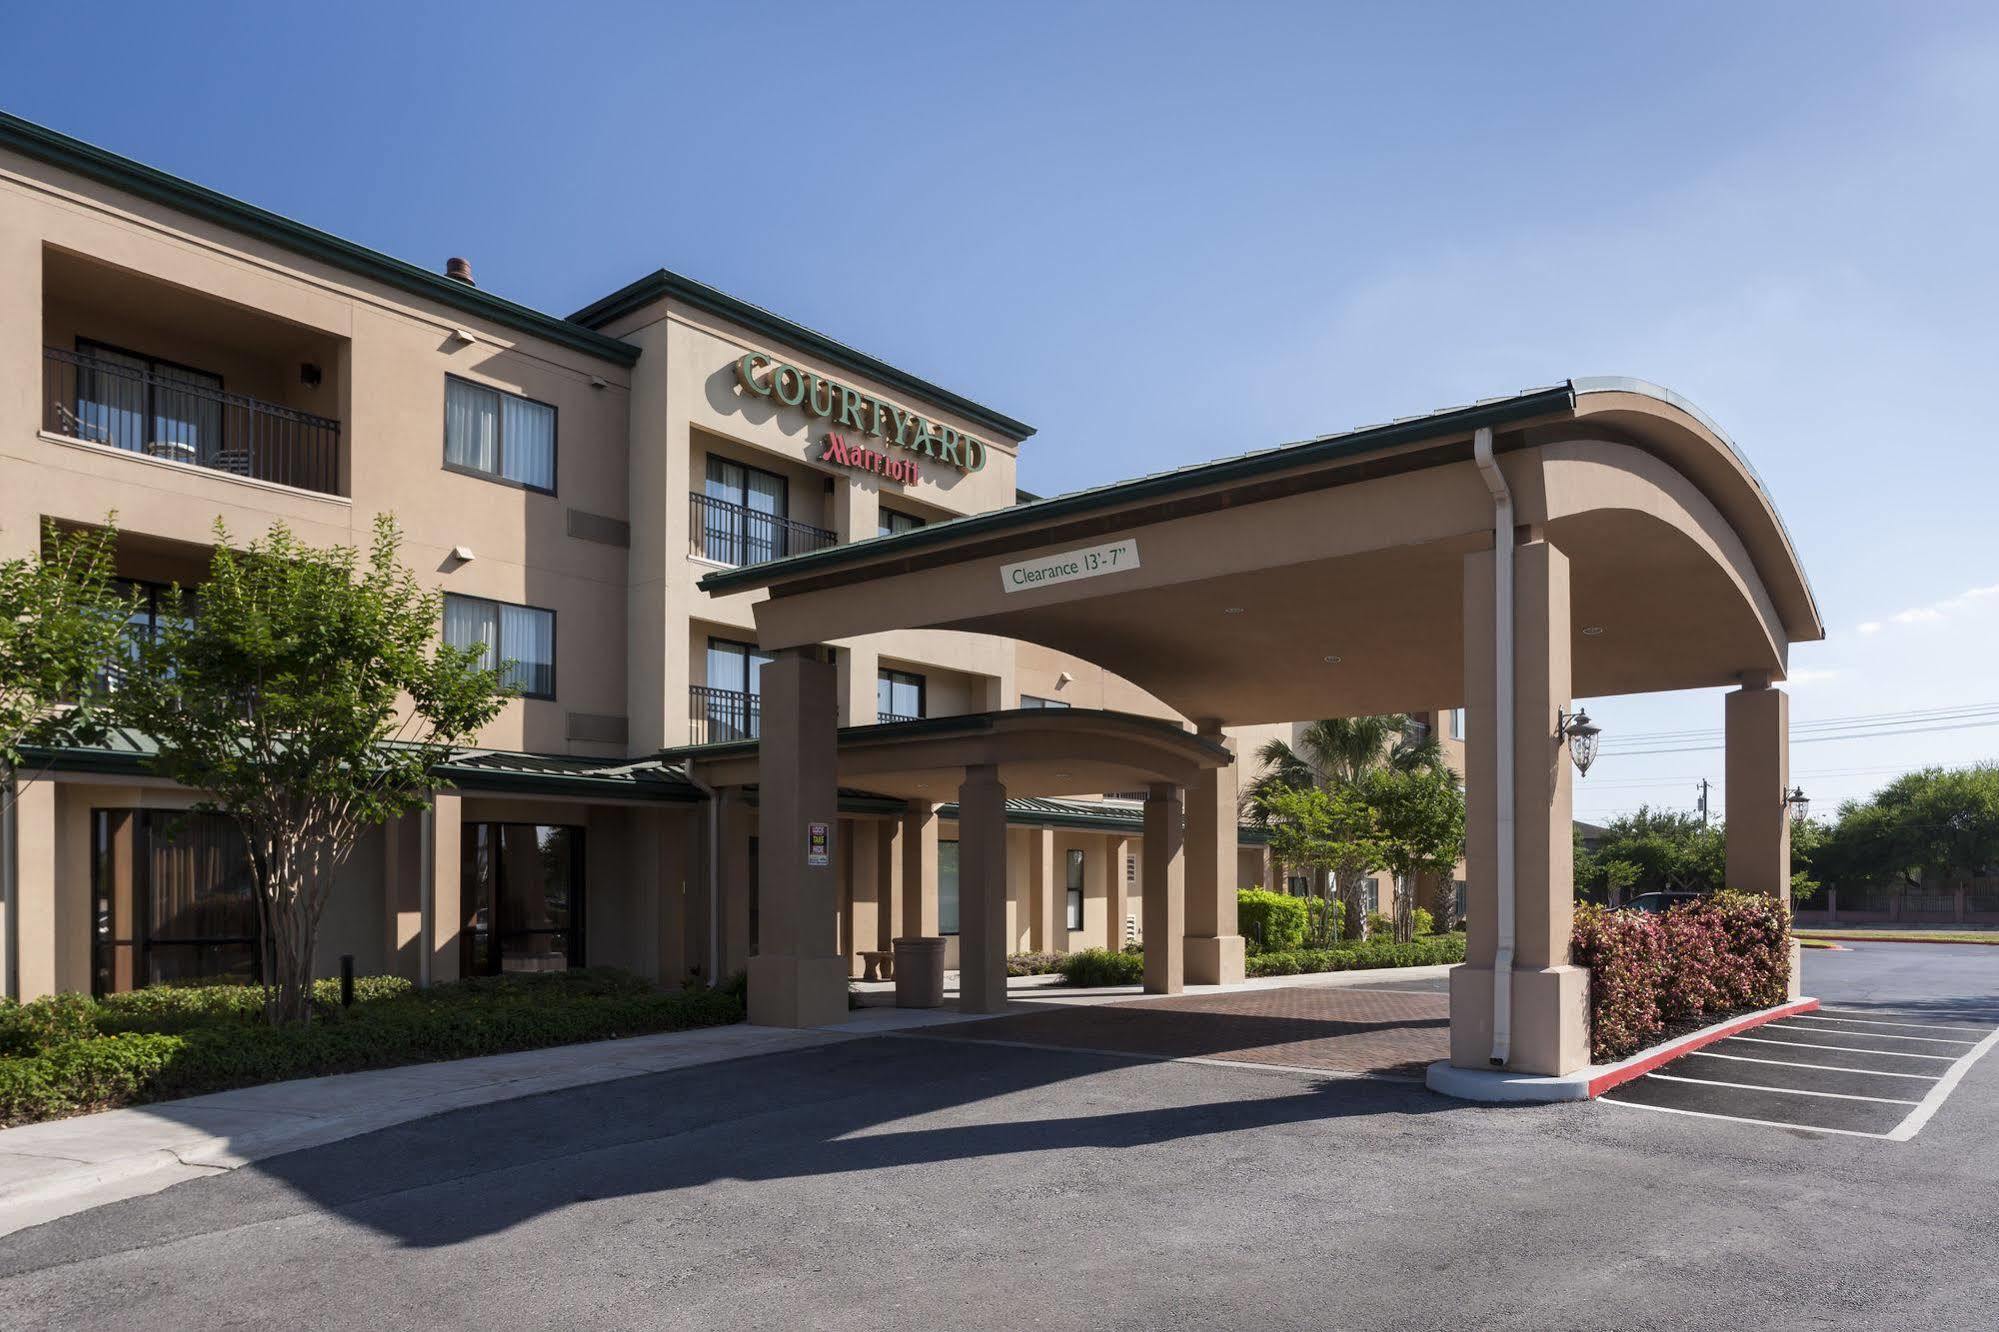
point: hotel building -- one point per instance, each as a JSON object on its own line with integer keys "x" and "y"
{"x": 177, "y": 357}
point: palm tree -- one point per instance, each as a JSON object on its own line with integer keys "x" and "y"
{"x": 1339, "y": 753}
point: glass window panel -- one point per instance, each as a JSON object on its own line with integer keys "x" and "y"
{"x": 469, "y": 622}
{"x": 947, "y": 887}
{"x": 1075, "y": 890}
{"x": 725, "y": 480}
{"x": 471, "y": 426}
{"x": 111, "y": 397}
{"x": 186, "y": 425}
{"x": 727, "y": 665}
{"x": 527, "y": 644}
{"x": 527, "y": 442}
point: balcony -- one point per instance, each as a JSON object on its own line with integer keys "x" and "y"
{"x": 891, "y": 718}
{"x": 172, "y": 415}
{"x": 717, "y": 716}
{"x": 735, "y": 534}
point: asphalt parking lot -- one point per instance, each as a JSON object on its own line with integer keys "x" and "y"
{"x": 1872, "y": 1072}
{"x": 929, "y": 1184}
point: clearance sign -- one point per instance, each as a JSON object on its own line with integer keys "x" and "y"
{"x": 862, "y": 413}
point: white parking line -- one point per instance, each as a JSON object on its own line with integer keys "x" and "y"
{"x": 1792, "y": 1063}
{"x": 1794, "y": 1025}
{"x": 1823, "y": 1016}
{"x": 1920, "y": 1116}
{"x": 1844, "y": 1049}
{"x": 1741, "y": 1119}
{"x": 1787, "y": 1091}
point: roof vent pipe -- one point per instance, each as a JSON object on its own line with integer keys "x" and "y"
{"x": 1502, "y": 679}
{"x": 459, "y": 270}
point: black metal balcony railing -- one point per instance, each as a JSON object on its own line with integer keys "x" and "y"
{"x": 86, "y": 397}
{"x": 735, "y": 534}
{"x": 717, "y": 716}
{"x": 890, "y": 718}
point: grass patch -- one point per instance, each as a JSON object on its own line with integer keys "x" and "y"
{"x": 69, "y": 1054}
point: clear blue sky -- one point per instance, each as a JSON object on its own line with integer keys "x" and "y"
{"x": 1164, "y": 233}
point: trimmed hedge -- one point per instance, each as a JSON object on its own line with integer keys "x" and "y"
{"x": 1033, "y": 964}
{"x": 1650, "y": 974}
{"x": 1100, "y": 966}
{"x": 1430, "y": 951}
{"x": 1270, "y": 921}
{"x": 69, "y": 1054}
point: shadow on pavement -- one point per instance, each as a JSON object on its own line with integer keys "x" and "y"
{"x": 855, "y": 1108}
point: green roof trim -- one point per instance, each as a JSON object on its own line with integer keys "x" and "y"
{"x": 1494, "y": 412}
{"x": 666, "y": 283}
{"x": 108, "y": 168}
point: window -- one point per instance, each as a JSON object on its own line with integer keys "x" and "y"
{"x": 1075, "y": 921}
{"x": 890, "y": 521}
{"x": 898, "y": 696}
{"x": 729, "y": 706}
{"x": 136, "y": 403}
{"x": 1457, "y": 723}
{"x": 521, "y": 891}
{"x": 1298, "y": 885}
{"x": 519, "y": 639}
{"x": 1370, "y": 896}
{"x": 173, "y": 899}
{"x": 500, "y": 435}
{"x": 1035, "y": 701}
{"x": 151, "y": 607}
{"x": 744, "y": 517}
{"x": 947, "y": 887}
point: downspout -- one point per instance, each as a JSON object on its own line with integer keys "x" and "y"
{"x": 1502, "y": 674}
{"x": 714, "y": 859}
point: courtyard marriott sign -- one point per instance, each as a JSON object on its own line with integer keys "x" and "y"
{"x": 851, "y": 409}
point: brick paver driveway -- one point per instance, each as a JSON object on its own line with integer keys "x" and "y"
{"x": 1342, "y": 1029}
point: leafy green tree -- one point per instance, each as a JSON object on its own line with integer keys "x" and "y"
{"x": 1656, "y": 850}
{"x": 61, "y": 622}
{"x": 309, "y": 700}
{"x": 1420, "y": 814}
{"x": 1932, "y": 824}
{"x": 1330, "y": 830}
{"x": 1339, "y": 753}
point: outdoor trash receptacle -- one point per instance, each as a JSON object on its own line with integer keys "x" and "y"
{"x": 919, "y": 973}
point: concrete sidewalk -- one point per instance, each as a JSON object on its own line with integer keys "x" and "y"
{"x": 71, "y": 1165}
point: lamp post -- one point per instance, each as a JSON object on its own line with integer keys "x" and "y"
{"x": 1581, "y": 733}
{"x": 1798, "y": 803}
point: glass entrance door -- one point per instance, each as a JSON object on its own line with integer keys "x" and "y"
{"x": 521, "y": 889}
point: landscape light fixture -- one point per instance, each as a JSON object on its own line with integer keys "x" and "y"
{"x": 1799, "y": 804}
{"x": 1581, "y": 733}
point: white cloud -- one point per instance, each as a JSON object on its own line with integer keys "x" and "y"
{"x": 1937, "y": 611}
{"x": 1810, "y": 677}
{"x": 1871, "y": 627}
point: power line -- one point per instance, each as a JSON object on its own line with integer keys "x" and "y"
{"x": 1835, "y": 723}
{"x": 1811, "y": 739}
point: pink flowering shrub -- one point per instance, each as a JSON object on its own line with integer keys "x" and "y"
{"x": 1719, "y": 955}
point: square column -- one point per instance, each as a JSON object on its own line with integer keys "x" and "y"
{"x": 1757, "y": 732}
{"x": 982, "y": 891}
{"x": 31, "y": 883}
{"x": 1041, "y": 931}
{"x": 1116, "y": 903}
{"x": 1549, "y": 1018}
{"x": 1214, "y": 946}
{"x": 919, "y": 870}
{"x": 443, "y": 872}
{"x": 1758, "y": 736}
{"x": 797, "y": 979}
{"x": 863, "y": 887}
{"x": 736, "y": 822}
{"x": 888, "y": 883}
{"x": 1162, "y": 880}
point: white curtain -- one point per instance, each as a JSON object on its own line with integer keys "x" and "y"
{"x": 527, "y": 641}
{"x": 528, "y": 435}
{"x": 469, "y": 623}
{"x": 471, "y": 426}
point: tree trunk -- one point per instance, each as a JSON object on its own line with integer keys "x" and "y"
{"x": 1350, "y": 910}
{"x": 1405, "y": 908}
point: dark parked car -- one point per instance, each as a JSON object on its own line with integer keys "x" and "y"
{"x": 1656, "y": 903}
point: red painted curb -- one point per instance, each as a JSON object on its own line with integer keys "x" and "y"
{"x": 1638, "y": 1065}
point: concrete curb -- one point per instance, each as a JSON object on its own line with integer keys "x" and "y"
{"x": 1889, "y": 938}
{"x": 1498, "y": 1087}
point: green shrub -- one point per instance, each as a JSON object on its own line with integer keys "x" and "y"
{"x": 1425, "y": 922}
{"x": 1434, "y": 950}
{"x": 56, "y": 1065}
{"x": 1380, "y": 925}
{"x": 1095, "y": 967}
{"x": 1267, "y": 920}
{"x": 1033, "y": 964}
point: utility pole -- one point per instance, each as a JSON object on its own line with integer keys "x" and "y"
{"x": 1703, "y": 802}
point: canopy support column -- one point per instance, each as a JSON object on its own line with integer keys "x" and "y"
{"x": 1757, "y": 720}
{"x": 982, "y": 891}
{"x": 1162, "y": 881}
{"x": 796, "y": 977}
{"x": 1214, "y": 945}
